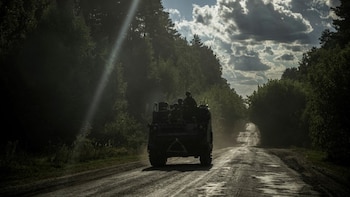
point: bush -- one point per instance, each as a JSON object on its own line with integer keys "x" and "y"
{"x": 277, "y": 108}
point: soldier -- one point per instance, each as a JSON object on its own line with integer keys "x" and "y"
{"x": 176, "y": 114}
{"x": 189, "y": 106}
{"x": 180, "y": 103}
{"x": 189, "y": 102}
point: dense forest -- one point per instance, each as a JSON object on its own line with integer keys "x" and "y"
{"x": 85, "y": 74}
{"x": 309, "y": 105}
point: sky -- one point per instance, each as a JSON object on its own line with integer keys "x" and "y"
{"x": 255, "y": 40}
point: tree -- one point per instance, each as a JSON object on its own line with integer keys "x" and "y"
{"x": 342, "y": 23}
{"x": 290, "y": 73}
{"x": 48, "y": 86}
{"x": 328, "y": 108}
{"x": 55, "y": 52}
{"x": 208, "y": 62}
{"x": 17, "y": 20}
{"x": 277, "y": 108}
{"x": 325, "y": 70}
{"x": 159, "y": 28}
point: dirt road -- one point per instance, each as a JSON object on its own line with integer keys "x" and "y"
{"x": 236, "y": 171}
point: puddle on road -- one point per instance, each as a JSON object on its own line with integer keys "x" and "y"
{"x": 273, "y": 165}
{"x": 212, "y": 189}
{"x": 279, "y": 183}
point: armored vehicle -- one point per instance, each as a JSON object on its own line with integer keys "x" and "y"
{"x": 176, "y": 131}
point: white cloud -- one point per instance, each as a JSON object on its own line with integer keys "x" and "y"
{"x": 286, "y": 57}
{"x": 257, "y": 40}
{"x": 247, "y": 60}
{"x": 174, "y": 13}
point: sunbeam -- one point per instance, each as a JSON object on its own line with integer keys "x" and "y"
{"x": 84, "y": 131}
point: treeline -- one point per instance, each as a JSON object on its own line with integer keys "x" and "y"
{"x": 309, "y": 105}
{"x": 53, "y": 56}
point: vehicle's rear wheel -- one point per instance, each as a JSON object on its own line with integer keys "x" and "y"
{"x": 205, "y": 158}
{"x": 157, "y": 160}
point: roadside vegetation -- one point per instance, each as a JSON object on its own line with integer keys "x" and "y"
{"x": 309, "y": 105}
{"x": 326, "y": 177}
{"x": 319, "y": 158}
{"x": 25, "y": 168}
{"x": 53, "y": 56}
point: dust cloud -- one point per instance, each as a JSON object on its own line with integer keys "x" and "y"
{"x": 250, "y": 136}
{"x": 225, "y": 136}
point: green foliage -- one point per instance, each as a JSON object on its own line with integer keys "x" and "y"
{"x": 124, "y": 132}
{"x": 54, "y": 53}
{"x": 62, "y": 156}
{"x": 342, "y": 24}
{"x": 17, "y": 20}
{"x": 84, "y": 150}
{"x": 290, "y": 73}
{"x": 50, "y": 83}
{"x": 277, "y": 108}
{"x": 329, "y": 108}
{"x": 166, "y": 76}
{"x": 25, "y": 168}
{"x": 326, "y": 72}
{"x": 319, "y": 160}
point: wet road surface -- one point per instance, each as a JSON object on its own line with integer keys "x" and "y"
{"x": 236, "y": 171}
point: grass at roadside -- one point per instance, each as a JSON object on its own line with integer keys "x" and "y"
{"x": 33, "y": 169}
{"x": 319, "y": 159}
{"x": 327, "y": 178}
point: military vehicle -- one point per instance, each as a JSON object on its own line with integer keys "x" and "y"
{"x": 176, "y": 131}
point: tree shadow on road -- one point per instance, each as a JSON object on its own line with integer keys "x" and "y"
{"x": 180, "y": 168}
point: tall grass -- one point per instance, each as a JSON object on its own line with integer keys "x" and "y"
{"x": 320, "y": 159}
{"x": 18, "y": 166}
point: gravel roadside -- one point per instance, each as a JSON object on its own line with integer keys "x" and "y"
{"x": 323, "y": 180}
{"x": 61, "y": 182}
